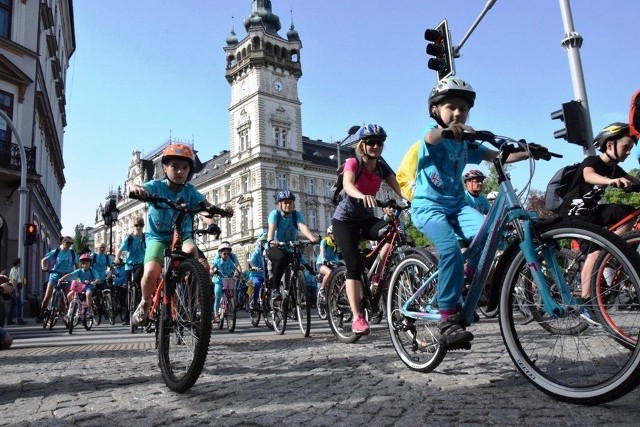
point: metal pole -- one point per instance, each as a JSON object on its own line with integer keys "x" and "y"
{"x": 571, "y": 43}
{"x": 23, "y": 191}
{"x": 456, "y": 49}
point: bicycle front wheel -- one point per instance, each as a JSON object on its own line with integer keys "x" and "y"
{"x": 73, "y": 313}
{"x": 338, "y": 308}
{"x": 57, "y": 309}
{"x": 585, "y": 364}
{"x": 303, "y": 305}
{"x": 109, "y": 307}
{"x": 185, "y": 326}
{"x": 232, "y": 311}
{"x": 279, "y": 308}
{"x": 97, "y": 307}
{"x": 415, "y": 339}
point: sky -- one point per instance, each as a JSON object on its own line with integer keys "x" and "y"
{"x": 147, "y": 70}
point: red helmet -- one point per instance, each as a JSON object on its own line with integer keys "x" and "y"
{"x": 85, "y": 257}
{"x": 179, "y": 152}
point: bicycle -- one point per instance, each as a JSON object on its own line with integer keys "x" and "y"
{"x": 134, "y": 293}
{"x": 55, "y": 308}
{"x": 182, "y": 303}
{"x": 111, "y": 295}
{"x": 97, "y": 303}
{"x": 338, "y": 307}
{"x": 563, "y": 353}
{"x": 78, "y": 308}
{"x": 321, "y": 301}
{"x": 263, "y": 309}
{"x": 228, "y": 303}
{"x": 294, "y": 293}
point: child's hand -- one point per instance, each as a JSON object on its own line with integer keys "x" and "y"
{"x": 139, "y": 191}
{"x": 458, "y": 130}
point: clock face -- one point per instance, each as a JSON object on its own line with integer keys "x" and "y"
{"x": 278, "y": 85}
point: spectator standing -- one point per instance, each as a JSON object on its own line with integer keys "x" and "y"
{"x": 16, "y": 306}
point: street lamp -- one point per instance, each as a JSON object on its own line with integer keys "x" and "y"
{"x": 110, "y": 215}
{"x": 352, "y": 130}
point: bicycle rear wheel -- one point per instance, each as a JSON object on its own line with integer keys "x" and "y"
{"x": 279, "y": 309}
{"x": 416, "y": 340}
{"x": 133, "y": 299}
{"x": 109, "y": 307}
{"x": 232, "y": 311}
{"x": 185, "y": 326}
{"x": 584, "y": 366}
{"x": 338, "y": 308}
{"x": 303, "y": 303}
{"x": 87, "y": 321}
{"x": 97, "y": 307}
{"x": 57, "y": 309}
{"x": 265, "y": 306}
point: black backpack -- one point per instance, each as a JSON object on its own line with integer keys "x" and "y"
{"x": 338, "y": 186}
{"x": 559, "y": 185}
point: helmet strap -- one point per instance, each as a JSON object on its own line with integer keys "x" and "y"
{"x": 438, "y": 119}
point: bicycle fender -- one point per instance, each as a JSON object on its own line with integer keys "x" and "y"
{"x": 496, "y": 284}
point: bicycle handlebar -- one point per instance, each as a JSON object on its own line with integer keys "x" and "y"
{"x": 180, "y": 205}
{"x": 294, "y": 243}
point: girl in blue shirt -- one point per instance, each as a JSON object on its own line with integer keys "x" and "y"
{"x": 86, "y": 275}
{"x": 226, "y": 265}
{"x": 328, "y": 253}
{"x": 439, "y": 209}
{"x": 58, "y": 262}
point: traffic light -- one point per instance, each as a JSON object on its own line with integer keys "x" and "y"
{"x": 572, "y": 115}
{"x": 31, "y": 234}
{"x": 440, "y": 49}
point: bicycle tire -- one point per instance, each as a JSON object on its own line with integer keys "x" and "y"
{"x": 55, "y": 307}
{"x": 232, "y": 311}
{"x": 73, "y": 312}
{"x": 338, "y": 308}
{"x": 109, "y": 309}
{"x": 303, "y": 303}
{"x": 255, "y": 314}
{"x": 265, "y": 305}
{"x": 618, "y": 307}
{"x": 415, "y": 340}
{"x": 185, "y": 326}
{"x": 279, "y": 308}
{"x": 589, "y": 367}
{"x": 87, "y": 322}
{"x": 132, "y": 301}
{"x": 321, "y": 306}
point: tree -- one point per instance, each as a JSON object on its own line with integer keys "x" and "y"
{"x": 535, "y": 203}
{"x": 419, "y": 239}
{"x": 79, "y": 239}
{"x": 614, "y": 195}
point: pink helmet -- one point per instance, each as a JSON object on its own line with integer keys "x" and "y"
{"x": 85, "y": 257}
{"x": 77, "y": 286}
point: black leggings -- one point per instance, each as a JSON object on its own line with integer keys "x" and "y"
{"x": 348, "y": 236}
{"x": 277, "y": 262}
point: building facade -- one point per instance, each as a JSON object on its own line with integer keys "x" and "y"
{"x": 267, "y": 151}
{"x": 37, "y": 40}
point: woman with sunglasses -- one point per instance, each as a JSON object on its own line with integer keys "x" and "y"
{"x": 354, "y": 217}
{"x": 134, "y": 245}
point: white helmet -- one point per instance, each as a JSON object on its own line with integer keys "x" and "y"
{"x": 224, "y": 245}
{"x": 492, "y": 196}
{"x": 330, "y": 229}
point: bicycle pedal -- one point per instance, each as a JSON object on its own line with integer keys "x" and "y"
{"x": 457, "y": 347}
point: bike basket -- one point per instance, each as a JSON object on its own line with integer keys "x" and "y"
{"x": 77, "y": 286}
{"x": 228, "y": 283}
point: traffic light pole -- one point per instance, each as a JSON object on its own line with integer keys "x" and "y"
{"x": 456, "y": 49}
{"x": 571, "y": 43}
{"x": 23, "y": 190}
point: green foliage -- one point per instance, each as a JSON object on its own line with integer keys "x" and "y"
{"x": 614, "y": 195}
{"x": 418, "y": 238}
{"x": 535, "y": 203}
{"x": 79, "y": 242}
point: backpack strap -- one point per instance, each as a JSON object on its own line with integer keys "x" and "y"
{"x": 294, "y": 218}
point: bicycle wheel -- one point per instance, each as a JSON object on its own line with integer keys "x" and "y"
{"x": 321, "y": 307}
{"x": 303, "y": 306}
{"x": 109, "y": 307}
{"x": 87, "y": 321}
{"x": 73, "y": 313}
{"x": 96, "y": 303}
{"x": 587, "y": 366}
{"x": 265, "y": 306}
{"x": 416, "y": 340}
{"x": 57, "y": 309}
{"x": 279, "y": 310}
{"x": 616, "y": 297}
{"x": 232, "y": 311}
{"x": 133, "y": 297}
{"x": 185, "y": 326}
{"x": 338, "y": 308}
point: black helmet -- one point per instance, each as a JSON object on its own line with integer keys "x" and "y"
{"x": 612, "y": 132}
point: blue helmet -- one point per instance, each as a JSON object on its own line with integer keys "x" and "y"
{"x": 371, "y": 131}
{"x": 285, "y": 194}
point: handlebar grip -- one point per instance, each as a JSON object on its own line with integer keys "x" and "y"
{"x": 214, "y": 210}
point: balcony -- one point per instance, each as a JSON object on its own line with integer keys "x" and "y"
{"x": 10, "y": 159}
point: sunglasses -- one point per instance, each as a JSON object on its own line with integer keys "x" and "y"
{"x": 373, "y": 143}
{"x": 139, "y": 225}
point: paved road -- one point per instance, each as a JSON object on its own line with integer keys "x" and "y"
{"x": 108, "y": 377}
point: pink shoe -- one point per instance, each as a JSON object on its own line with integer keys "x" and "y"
{"x": 360, "y": 326}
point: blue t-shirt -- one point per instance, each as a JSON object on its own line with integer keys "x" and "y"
{"x": 84, "y": 275}
{"x": 100, "y": 262}
{"x": 64, "y": 262}
{"x": 135, "y": 251}
{"x": 330, "y": 251}
{"x": 257, "y": 257}
{"x": 226, "y": 267}
{"x": 159, "y": 219}
{"x": 285, "y": 229}
{"x": 480, "y": 203}
{"x": 439, "y": 180}
{"x": 119, "y": 277}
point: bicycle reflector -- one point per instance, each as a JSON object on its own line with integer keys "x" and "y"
{"x": 440, "y": 49}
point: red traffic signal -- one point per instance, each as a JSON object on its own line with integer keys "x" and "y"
{"x": 31, "y": 234}
{"x": 440, "y": 49}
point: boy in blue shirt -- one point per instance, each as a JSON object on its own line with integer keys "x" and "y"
{"x": 178, "y": 162}
{"x": 57, "y": 262}
{"x": 284, "y": 224}
{"x": 256, "y": 263}
{"x": 226, "y": 264}
{"x": 439, "y": 208}
{"x": 101, "y": 261}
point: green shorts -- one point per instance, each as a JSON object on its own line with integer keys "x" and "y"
{"x": 155, "y": 250}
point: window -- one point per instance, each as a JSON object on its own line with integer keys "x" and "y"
{"x": 228, "y": 228}
{"x": 6, "y": 104}
{"x": 245, "y": 183}
{"x": 5, "y": 18}
{"x": 244, "y": 218}
{"x": 311, "y": 186}
{"x": 327, "y": 220}
{"x": 282, "y": 181}
{"x": 216, "y": 199}
{"x": 227, "y": 189}
{"x": 244, "y": 139}
{"x": 312, "y": 220}
{"x": 280, "y": 136}
{"x": 327, "y": 189}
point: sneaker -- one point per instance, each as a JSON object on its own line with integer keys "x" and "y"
{"x": 141, "y": 314}
{"x": 322, "y": 294}
{"x": 454, "y": 334}
{"x": 360, "y": 326}
{"x": 22, "y": 322}
{"x": 66, "y": 319}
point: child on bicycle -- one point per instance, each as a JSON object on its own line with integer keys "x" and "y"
{"x": 178, "y": 162}
{"x": 223, "y": 266}
{"x": 594, "y": 173}
{"x": 439, "y": 208}
{"x": 257, "y": 264}
{"x": 134, "y": 245}
{"x": 354, "y": 217}
{"x": 284, "y": 224}
{"x": 86, "y": 275}
{"x": 328, "y": 253}
{"x": 57, "y": 262}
